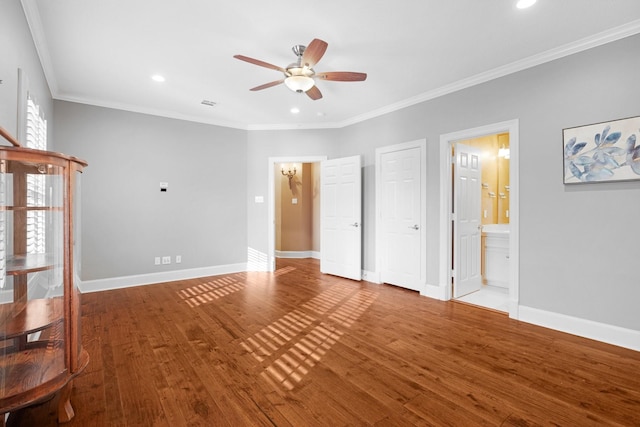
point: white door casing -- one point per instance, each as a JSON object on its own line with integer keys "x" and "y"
{"x": 341, "y": 217}
{"x": 467, "y": 224}
{"x": 400, "y": 215}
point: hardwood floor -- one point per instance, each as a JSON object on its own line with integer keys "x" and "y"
{"x": 298, "y": 348}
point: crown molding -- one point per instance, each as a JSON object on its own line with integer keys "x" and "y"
{"x": 581, "y": 45}
{"x": 34, "y": 22}
{"x": 150, "y": 111}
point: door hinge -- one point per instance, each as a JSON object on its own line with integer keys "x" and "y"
{"x": 453, "y": 273}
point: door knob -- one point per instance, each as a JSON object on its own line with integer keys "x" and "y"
{"x": 355, "y": 224}
{"x": 414, "y": 227}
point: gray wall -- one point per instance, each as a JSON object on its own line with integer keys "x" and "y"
{"x": 18, "y": 51}
{"x": 126, "y": 220}
{"x": 578, "y": 244}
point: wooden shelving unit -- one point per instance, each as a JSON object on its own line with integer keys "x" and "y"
{"x": 40, "y": 348}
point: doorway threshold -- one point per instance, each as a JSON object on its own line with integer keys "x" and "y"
{"x": 491, "y": 297}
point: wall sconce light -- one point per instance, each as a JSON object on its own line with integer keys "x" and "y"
{"x": 289, "y": 174}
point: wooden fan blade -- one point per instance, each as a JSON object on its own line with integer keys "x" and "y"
{"x": 259, "y": 63}
{"x": 342, "y": 76}
{"x": 267, "y": 85}
{"x": 314, "y": 52}
{"x": 314, "y": 93}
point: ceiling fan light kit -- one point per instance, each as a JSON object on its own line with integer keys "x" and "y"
{"x": 299, "y": 83}
{"x": 299, "y": 76}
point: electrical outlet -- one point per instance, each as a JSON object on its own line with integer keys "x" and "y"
{"x": 157, "y": 260}
{"x": 166, "y": 260}
{"x": 178, "y": 259}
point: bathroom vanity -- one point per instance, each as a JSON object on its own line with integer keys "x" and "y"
{"x": 496, "y": 254}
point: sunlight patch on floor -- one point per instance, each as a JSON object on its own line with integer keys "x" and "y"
{"x": 291, "y": 346}
{"x": 210, "y": 291}
{"x": 284, "y": 270}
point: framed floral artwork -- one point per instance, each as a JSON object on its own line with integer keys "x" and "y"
{"x": 602, "y": 152}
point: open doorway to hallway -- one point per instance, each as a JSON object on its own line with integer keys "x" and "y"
{"x": 296, "y": 203}
{"x": 297, "y": 210}
{"x": 338, "y": 212}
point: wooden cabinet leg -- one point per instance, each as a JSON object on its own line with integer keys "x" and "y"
{"x": 65, "y": 410}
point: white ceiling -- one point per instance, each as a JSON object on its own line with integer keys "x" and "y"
{"x": 104, "y": 52}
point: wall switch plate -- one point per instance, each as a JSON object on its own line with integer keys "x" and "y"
{"x": 294, "y": 201}
{"x": 166, "y": 260}
{"x": 178, "y": 259}
{"x": 259, "y": 199}
{"x": 157, "y": 260}
{"x": 164, "y": 186}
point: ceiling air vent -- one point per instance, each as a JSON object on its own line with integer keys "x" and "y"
{"x": 208, "y": 103}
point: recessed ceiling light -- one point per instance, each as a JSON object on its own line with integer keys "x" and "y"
{"x": 523, "y": 4}
{"x": 158, "y": 78}
{"x": 295, "y": 110}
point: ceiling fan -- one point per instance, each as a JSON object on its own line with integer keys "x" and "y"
{"x": 300, "y": 76}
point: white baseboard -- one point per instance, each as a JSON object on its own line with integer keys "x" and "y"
{"x": 609, "y": 334}
{"x": 167, "y": 276}
{"x": 371, "y": 276}
{"x": 435, "y": 291}
{"x": 297, "y": 254}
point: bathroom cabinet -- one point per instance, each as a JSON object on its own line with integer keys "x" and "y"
{"x": 40, "y": 338}
{"x": 496, "y": 254}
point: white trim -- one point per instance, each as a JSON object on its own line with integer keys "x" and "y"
{"x": 435, "y": 292}
{"x": 422, "y": 145}
{"x": 34, "y": 22}
{"x": 603, "y": 332}
{"x": 271, "y": 217}
{"x": 371, "y": 277}
{"x": 297, "y": 254}
{"x": 167, "y": 276}
{"x": 152, "y": 111}
{"x": 512, "y": 127}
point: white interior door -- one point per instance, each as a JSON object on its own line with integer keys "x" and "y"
{"x": 467, "y": 224}
{"x": 341, "y": 213}
{"x": 400, "y": 217}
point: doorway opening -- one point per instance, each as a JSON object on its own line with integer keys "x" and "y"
{"x": 495, "y": 230}
{"x": 488, "y": 199}
{"x": 297, "y": 210}
{"x": 295, "y": 205}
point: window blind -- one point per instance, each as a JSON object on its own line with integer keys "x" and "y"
{"x": 36, "y": 138}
